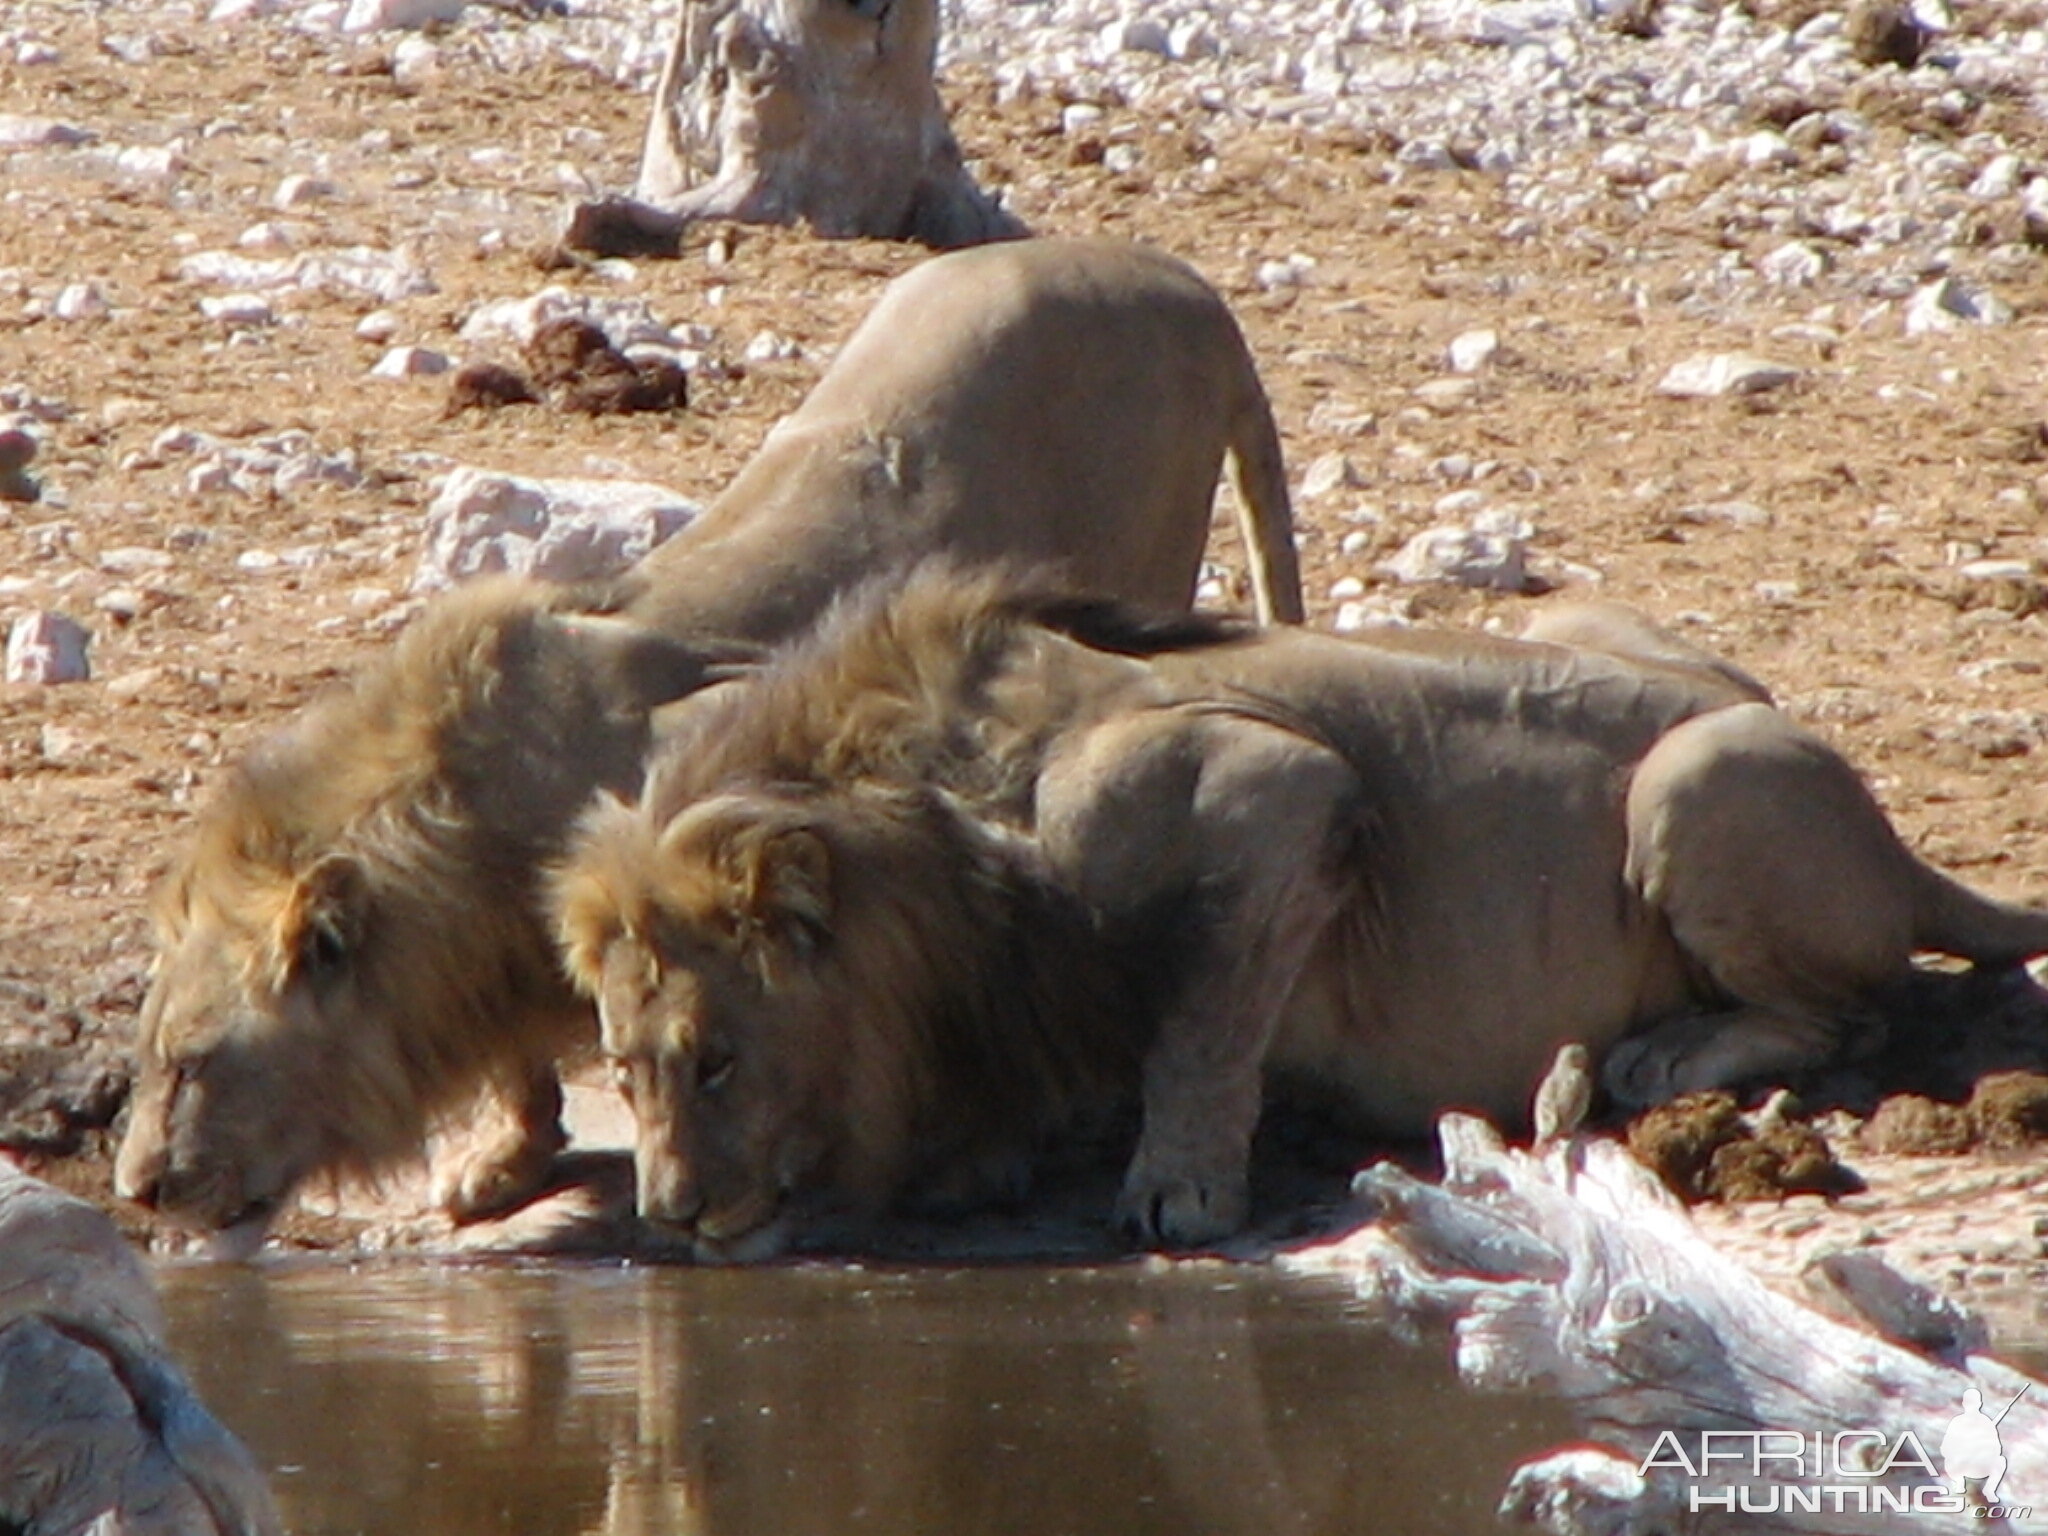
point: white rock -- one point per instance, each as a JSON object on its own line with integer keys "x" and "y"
{"x": 1949, "y": 302}
{"x": 385, "y": 276}
{"x": 267, "y": 235}
{"x": 1708, "y": 374}
{"x": 137, "y": 48}
{"x": 80, "y": 301}
{"x": 382, "y": 15}
{"x": 29, "y": 55}
{"x": 1191, "y": 39}
{"x": 1767, "y": 148}
{"x": 1996, "y": 570}
{"x": 625, "y": 322}
{"x": 1737, "y": 514}
{"x": 1466, "y": 557}
{"x": 411, "y": 363}
{"x": 768, "y": 347}
{"x": 304, "y": 469}
{"x": 40, "y": 133}
{"x": 242, "y": 10}
{"x": 415, "y": 61}
{"x": 1137, "y": 34}
{"x": 1794, "y": 264}
{"x": 124, "y": 604}
{"x": 150, "y": 162}
{"x": 1345, "y": 588}
{"x": 1338, "y": 418}
{"x": 378, "y": 326}
{"x": 299, "y": 189}
{"x": 47, "y": 647}
{"x": 130, "y": 559}
{"x": 1999, "y": 178}
{"x": 208, "y": 477}
{"x": 1446, "y": 395}
{"x": 1473, "y": 350}
{"x": 1080, "y": 117}
{"x": 1330, "y": 472}
{"x": 239, "y": 309}
{"x": 564, "y": 530}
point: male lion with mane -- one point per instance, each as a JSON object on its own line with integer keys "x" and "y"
{"x": 353, "y": 945}
{"x": 970, "y": 859}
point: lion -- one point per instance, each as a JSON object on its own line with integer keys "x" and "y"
{"x": 352, "y": 946}
{"x": 971, "y": 861}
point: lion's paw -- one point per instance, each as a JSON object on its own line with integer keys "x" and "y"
{"x": 1179, "y": 1211}
{"x": 495, "y": 1174}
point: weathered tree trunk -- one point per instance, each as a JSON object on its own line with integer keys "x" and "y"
{"x": 780, "y": 111}
{"x": 1571, "y": 1270}
{"x": 99, "y": 1430}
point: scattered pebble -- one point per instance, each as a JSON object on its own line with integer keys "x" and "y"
{"x": 411, "y": 363}
{"x": 385, "y": 15}
{"x": 239, "y": 309}
{"x": 1492, "y": 552}
{"x": 1949, "y": 302}
{"x": 1710, "y": 374}
{"x": 81, "y": 301}
{"x": 1473, "y": 350}
{"x": 45, "y": 647}
{"x": 1329, "y": 473}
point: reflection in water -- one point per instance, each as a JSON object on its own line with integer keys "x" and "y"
{"x": 635, "y": 1401}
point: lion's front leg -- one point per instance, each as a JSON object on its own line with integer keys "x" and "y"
{"x": 501, "y": 1158}
{"x": 1241, "y": 836}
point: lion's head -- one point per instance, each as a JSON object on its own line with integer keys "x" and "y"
{"x": 352, "y": 943}
{"x": 827, "y": 1001}
{"x": 710, "y": 947}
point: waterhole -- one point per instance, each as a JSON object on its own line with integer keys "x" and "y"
{"x": 1123, "y": 1401}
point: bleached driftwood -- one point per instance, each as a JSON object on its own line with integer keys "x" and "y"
{"x": 1573, "y": 1272}
{"x": 780, "y": 111}
{"x": 99, "y": 1431}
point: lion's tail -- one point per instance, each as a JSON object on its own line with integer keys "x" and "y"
{"x": 1258, "y": 474}
{"x": 1952, "y": 919}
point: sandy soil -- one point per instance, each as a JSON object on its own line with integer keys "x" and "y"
{"x": 1891, "y": 462}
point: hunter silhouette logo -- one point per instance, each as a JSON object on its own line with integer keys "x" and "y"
{"x": 1971, "y": 1448}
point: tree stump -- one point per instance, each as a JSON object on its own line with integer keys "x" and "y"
{"x": 1713, "y": 1403}
{"x": 784, "y": 111}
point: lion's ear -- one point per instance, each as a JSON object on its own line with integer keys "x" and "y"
{"x": 777, "y": 885}
{"x": 793, "y": 886}
{"x": 324, "y": 917}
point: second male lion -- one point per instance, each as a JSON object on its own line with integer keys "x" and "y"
{"x": 966, "y": 860}
{"x": 351, "y": 944}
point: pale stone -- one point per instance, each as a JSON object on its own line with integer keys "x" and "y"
{"x": 411, "y": 363}
{"x": 46, "y": 647}
{"x": 1473, "y": 350}
{"x": 1708, "y": 374}
{"x": 563, "y": 530}
{"x": 383, "y": 15}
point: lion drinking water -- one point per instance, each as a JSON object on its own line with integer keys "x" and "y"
{"x": 351, "y": 945}
{"x": 968, "y": 861}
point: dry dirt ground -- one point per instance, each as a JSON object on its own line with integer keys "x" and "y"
{"x": 1891, "y": 463}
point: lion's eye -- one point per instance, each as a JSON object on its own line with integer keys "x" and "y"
{"x": 714, "y": 1070}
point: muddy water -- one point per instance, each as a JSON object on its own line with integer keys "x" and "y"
{"x": 635, "y": 1401}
